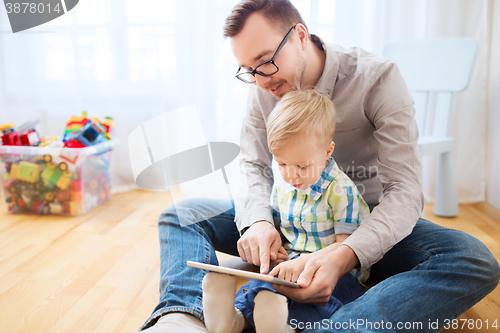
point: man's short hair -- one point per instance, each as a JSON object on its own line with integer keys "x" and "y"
{"x": 301, "y": 113}
{"x": 280, "y": 13}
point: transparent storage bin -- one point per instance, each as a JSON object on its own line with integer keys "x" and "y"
{"x": 56, "y": 181}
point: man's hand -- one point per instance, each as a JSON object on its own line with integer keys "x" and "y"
{"x": 259, "y": 244}
{"x": 320, "y": 276}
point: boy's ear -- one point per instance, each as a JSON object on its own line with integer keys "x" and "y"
{"x": 329, "y": 151}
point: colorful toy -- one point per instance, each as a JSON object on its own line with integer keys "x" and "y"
{"x": 64, "y": 181}
{"x": 10, "y": 137}
{"x": 29, "y": 172}
{"x": 56, "y": 181}
{"x": 14, "y": 171}
{"x": 55, "y": 208}
{"x": 63, "y": 195}
{"x": 51, "y": 142}
{"x": 92, "y": 133}
{"x": 25, "y": 135}
{"x": 82, "y": 131}
{"x": 74, "y": 124}
{"x": 61, "y": 164}
{"x": 76, "y": 190}
{"x": 28, "y": 135}
{"x": 110, "y": 128}
{"x": 37, "y": 206}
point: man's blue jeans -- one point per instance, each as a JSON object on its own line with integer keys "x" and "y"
{"x": 433, "y": 275}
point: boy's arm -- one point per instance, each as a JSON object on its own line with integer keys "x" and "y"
{"x": 290, "y": 270}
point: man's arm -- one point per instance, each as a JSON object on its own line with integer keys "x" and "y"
{"x": 390, "y": 108}
{"x": 255, "y": 164}
{"x": 260, "y": 241}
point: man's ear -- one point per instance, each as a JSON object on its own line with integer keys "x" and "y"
{"x": 329, "y": 151}
{"x": 303, "y": 35}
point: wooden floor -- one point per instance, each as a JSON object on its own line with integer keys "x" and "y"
{"x": 100, "y": 272}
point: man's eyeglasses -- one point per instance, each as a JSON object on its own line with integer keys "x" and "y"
{"x": 267, "y": 68}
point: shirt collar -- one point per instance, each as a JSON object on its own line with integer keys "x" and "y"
{"x": 315, "y": 191}
{"x": 326, "y": 82}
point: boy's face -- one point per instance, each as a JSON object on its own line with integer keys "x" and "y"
{"x": 257, "y": 42}
{"x": 302, "y": 160}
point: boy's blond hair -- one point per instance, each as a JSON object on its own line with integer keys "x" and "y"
{"x": 301, "y": 113}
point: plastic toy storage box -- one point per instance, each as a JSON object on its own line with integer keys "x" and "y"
{"x": 58, "y": 181}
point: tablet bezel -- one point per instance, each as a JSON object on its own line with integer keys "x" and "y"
{"x": 242, "y": 274}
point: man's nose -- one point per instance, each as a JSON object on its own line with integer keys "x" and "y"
{"x": 262, "y": 81}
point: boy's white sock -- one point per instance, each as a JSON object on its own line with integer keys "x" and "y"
{"x": 177, "y": 322}
{"x": 271, "y": 313}
{"x": 218, "y": 304}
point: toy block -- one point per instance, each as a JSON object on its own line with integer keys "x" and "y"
{"x": 66, "y": 207}
{"x": 36, "y": 206}
{"x": 55, "y": 208}
{"x": 64, "y": 181}
{"x": 76, "y": 185}
{"x": 30, "y": 139}
{"x": 76, "y": 196}
{"x": 74, "y": 124}
{"x": 47, "y": 173}
{"x": 29, "y": 172}
{"x": 55, "y": 176}
{"x": 63, "y": 195}
{"x": 75, "y": 208}
{"x": 14, "y": 171}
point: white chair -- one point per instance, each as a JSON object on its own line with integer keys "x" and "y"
{"x": 436, "y": 66}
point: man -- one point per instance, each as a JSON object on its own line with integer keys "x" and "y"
{"x": 428, "y": 273}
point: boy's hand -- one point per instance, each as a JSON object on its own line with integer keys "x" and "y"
{"x": 260, "y": 243}
{"x": 282, "y": 256}
{"x": 320, "y": 276}
{"x": 290, "y": 270}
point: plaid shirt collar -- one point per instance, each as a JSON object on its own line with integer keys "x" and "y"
{"x": 316, "y": 190}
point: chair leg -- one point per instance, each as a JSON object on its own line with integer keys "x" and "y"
{"x": 446, "y": 203}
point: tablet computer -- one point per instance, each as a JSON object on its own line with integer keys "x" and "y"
{"x": 242, "y": 274}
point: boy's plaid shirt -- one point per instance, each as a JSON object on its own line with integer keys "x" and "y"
{"x": 310, "y": 218}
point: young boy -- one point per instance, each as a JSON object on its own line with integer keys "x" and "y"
{"x": 318, "y": 206}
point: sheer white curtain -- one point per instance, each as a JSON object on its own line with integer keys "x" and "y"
{"x": 131, "y": 60}
{"x": 135, "y": 59}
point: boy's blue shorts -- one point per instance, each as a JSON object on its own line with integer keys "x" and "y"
{"x": 347, "y": 290}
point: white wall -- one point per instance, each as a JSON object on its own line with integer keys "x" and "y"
{"x": 493, "y": 157}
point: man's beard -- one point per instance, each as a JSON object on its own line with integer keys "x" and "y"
{"x": 297, "y": 80}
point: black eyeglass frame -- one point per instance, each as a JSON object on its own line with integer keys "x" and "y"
{"x": 255, "y": 71}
